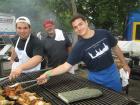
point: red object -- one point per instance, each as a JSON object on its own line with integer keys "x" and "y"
{"x": 48, "y": 23}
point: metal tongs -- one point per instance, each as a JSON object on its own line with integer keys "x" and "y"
{"x": 25, "y": 82}
{"x": 4, "y": 79}
{"x": 30, "y": 86}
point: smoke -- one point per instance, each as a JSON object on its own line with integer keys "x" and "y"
{"x": 30, "y": 8}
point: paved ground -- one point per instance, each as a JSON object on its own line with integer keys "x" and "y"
{"x": 134, "y": 89}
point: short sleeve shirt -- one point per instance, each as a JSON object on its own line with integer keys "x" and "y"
{"x": 56, "y": 51}
{"x": 95, "y": 52}
{"x": 34, "y": 46}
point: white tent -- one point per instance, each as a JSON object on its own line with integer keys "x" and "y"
{"x": 131, "y": 47}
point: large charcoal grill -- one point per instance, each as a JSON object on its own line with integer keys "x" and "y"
{"x": 67, "y": 82}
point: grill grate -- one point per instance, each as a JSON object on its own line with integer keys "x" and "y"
{"x": 67, "y": 82}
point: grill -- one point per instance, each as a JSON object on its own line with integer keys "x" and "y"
{"x": 67, "y": 82}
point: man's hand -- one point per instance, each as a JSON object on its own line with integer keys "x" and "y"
{"x": 15, "y": 73}
{"x": 127, "y": 68}
{"x": 42, "y": 79}
{"x": 12, "y": 61}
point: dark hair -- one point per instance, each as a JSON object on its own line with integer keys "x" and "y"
{"x": 78, "y": 16}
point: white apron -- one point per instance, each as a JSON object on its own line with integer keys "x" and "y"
{"x": 23, "y": 57}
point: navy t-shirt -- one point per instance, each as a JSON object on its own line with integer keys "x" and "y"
{"x": 95, "y": 52}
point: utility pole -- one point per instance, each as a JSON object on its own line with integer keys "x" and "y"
{"x": 74, "y": 8}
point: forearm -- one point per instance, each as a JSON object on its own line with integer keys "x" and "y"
{"x": 59, "y": 70}
{"x": 13, "y": 54}
{"x": 56, "y": 71}
{"x": 120, "y": 55}
{"x": 32, "y": 62}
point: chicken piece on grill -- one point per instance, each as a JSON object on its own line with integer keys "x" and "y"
{"x": 6, "y": 102}
{"x": 22, "y": 97}
{"x": 39, "y": 102}
{"x": 1, "y": 91}
{"x": 26, "y": 98}
{"x": 3, "y": 101}
{"x": 2, "y": 98}
{"x": 12, "y": 91}
{"x": 29, "y": 93}
{"x": 23, "y": 101}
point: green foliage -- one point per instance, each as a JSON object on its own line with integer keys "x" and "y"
{"x": 62, "y": 10}
{"x": 109, "y": 14}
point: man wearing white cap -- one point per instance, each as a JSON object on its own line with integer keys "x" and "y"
{"x": 28, "y": 49}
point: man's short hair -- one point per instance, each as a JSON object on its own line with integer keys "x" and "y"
{"x": 78, "y": 16}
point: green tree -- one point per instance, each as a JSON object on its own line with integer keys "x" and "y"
{"x": 109, "y": 14}
{"x": 62, "y": 10}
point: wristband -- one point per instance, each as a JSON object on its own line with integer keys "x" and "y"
{"x": 48, "y": 73}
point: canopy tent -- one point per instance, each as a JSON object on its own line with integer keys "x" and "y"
{"x": 131, "y": 47}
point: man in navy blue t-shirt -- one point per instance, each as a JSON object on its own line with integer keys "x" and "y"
{"x": 94, "y": 48}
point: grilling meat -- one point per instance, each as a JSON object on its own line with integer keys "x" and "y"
{"x": 3, "y": 101}
{"x": 12, "y": 90}
{"x": 39, "y": 102}
{"x": 1, "y": 91}
{"x": 2, "y": 98}
{"x": 28, "y": 98}
{"x": 21, "y": 97}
